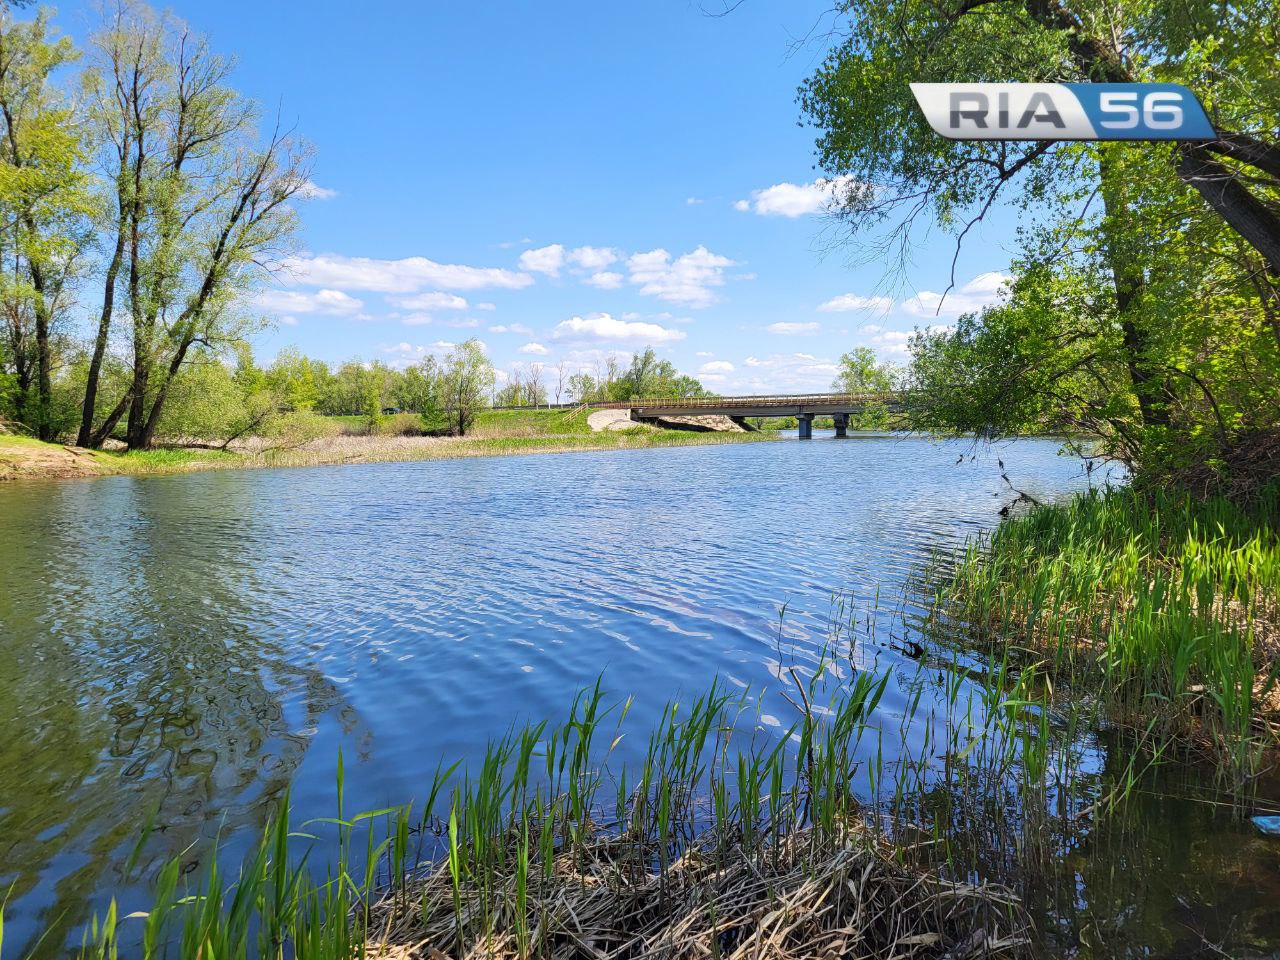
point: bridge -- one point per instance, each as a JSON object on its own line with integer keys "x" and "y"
{"x": 804, "y": 407}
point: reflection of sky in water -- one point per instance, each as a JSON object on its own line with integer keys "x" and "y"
{"x": 199, "y": 643}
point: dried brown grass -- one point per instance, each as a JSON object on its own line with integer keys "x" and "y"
{"x": 803, "y": 899}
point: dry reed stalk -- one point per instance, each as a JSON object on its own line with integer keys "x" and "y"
{"x": 809, "y": 899}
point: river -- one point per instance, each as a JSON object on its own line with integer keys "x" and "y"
{"x": 191, "y": 648}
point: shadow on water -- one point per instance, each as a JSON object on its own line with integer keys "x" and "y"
{"x": 132, "y": 686}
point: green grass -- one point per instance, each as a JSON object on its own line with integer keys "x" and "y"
{"x": 533, "y": 423}
{"x": 166, "y": 460}
{"x": 1162, "y": 608}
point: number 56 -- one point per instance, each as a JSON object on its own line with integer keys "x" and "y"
{"x": 1160, "y": 111}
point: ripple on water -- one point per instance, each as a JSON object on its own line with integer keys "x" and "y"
{"x": 203, "y": 643}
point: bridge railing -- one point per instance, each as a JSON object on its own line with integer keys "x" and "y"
{"x": 770, "y": 400}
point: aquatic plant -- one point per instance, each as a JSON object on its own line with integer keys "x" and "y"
{"x": 1163, "y": 609}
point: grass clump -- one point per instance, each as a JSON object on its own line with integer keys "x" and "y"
{"x": 1162, "y": 609}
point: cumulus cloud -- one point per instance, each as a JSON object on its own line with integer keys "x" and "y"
{"x": 512, "y": 328}
{"x": 779, "y": 372}
{"x": 435, "y": 300}
{"x": 794, "y": 329}
{"x": 687, "y": 280}
{"x": 797, "y": 199}
{"x": 404, "y": 354}
{"x": 331, "y": 302}
{"x": 605, "y": 280}
{"x": 407, "y": 275}
{"x": 852, "y": 301}
{"x": 605, "y": 328}
{"x": 717, "y": 366}
{"x": 535, "y": 349}
{"x": 547, "y": 260}
{"x": 592, "y": 258}
{"x": 310, "y": 190}
{"x": 982, "y": 291}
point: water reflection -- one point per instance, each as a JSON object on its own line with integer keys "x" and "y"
{"x": 199, "y": 644}
{"x": 132, "y": 684}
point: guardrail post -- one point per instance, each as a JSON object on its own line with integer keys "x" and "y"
{"x": 842, "y": 425}
{"x": 805, "y": 421}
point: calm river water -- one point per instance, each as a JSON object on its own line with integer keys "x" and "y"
{"x": 198, "y": 645}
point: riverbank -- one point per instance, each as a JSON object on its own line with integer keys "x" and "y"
{"x": 1159, "y": 610}
{"x": 496, "y": 433}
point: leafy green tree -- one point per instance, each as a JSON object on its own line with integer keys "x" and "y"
{"x": 649, "y": 376}
{"x": 466, "y": 383}
{"x": 203, "y": 203}
{"x": 45, "y": 208}
{"x": 862, "y": 372}
{"x": 293, "y": 377}
{"x": 1144, "y": 301}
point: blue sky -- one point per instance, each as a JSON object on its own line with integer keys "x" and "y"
{"x": 569, "y": 180}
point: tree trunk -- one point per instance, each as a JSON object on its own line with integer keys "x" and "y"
{"x": 85, "y": 436}
{"x": 1130, "y": 287}
{"x": 1224, "y": 193}
{"x": 44, "y": 359}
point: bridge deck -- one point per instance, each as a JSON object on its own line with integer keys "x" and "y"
{"x": 793, "y": 405}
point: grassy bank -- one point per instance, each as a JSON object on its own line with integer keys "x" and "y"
{"x": 1159, "y": 611}
{"x": 716, "y": 844}
{"x": 495, "y": 433}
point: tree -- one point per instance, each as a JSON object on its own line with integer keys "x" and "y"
{"x": 45, "y": 204}
{"x": 467, "y": 379}
{"x": 203, "y": 207}
{"x": 582, "y": 387}
{"x": 562, "y": 379}
{"x": 862, "y": 372}
{"x": 1144, "y": 298}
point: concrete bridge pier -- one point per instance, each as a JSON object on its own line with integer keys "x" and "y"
{"x": 842, "y": 425}
{"x": 805, "y": 422}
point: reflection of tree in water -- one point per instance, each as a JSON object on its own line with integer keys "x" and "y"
{"x": 134, "y": 678}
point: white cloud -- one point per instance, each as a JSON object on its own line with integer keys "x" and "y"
{"x": 313, "y": 191}
{"x": 512, "y": 328}
{"x": 982, "y": 291}
{"x": 407, "y": 275}
{"x": 704, "y": 353}
{"x": 603, "y": 327}
{"x": 686, "y": 280}
{"x": 780, "y": 372}
{"x": 592, "y": 258}
{"x": 794, "y": 329}
{"x": 546, "y": 260}
{"x": 433, "y": 300}
{"x": 796, "y": 199}
{"x": 852, "y": 301}
{"x": 331, "y": 302}
{"x": 485, "y": 306}
{"x": 416, "y": 319}
{"x": 693, "y": 201}
{"x": 536, "y": 349}
{"x": 717, "y": 366}
{"x": 404, "y": 353}
{"x": 604, "y": 280}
